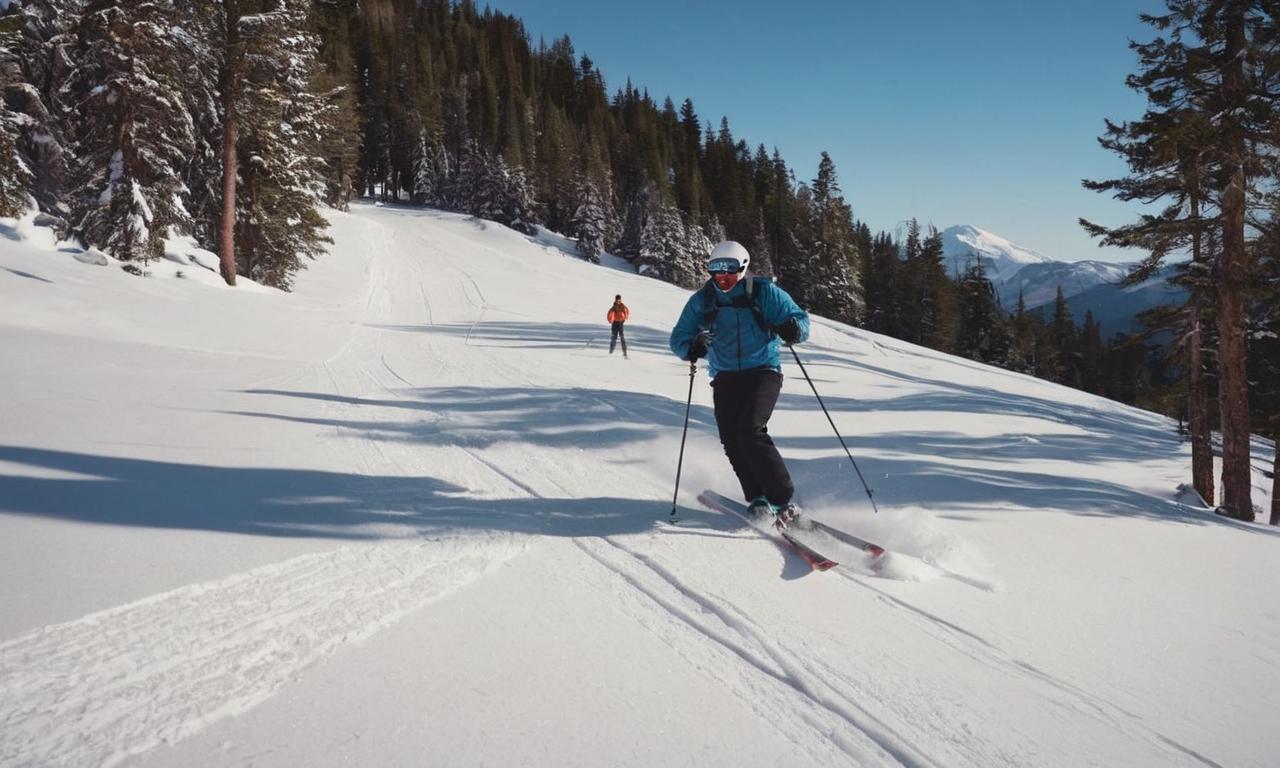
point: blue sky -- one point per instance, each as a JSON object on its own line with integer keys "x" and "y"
{"x": 983, "y": 112}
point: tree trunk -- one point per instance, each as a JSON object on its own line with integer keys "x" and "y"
{"x": 230, "y": 83}
{"x": 1197, "y": 391}
{"x": 1198, "y": 411}
{"x": 1275, "y": 479}
{"x": 1233, "y": 393}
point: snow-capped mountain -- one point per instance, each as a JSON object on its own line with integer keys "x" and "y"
{"x": 1114, "y": 307}
{"x": 1001, "y": 257}
{"x": 1087, "y": 285}
{"x": 1038, "y": 283}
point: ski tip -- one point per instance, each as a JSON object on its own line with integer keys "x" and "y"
{"x": 825, "y": 565}
{"x": 875, "y": 551}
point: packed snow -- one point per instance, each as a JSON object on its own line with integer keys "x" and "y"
{"x": 414, "y": 513}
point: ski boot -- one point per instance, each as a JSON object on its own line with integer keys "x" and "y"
{"x": 759, "y": 507}
{"x": 784, "y": 516}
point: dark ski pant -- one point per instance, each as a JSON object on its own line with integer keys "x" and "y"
{"x": 744, "y": 401}
{"x": 618, "y": 334}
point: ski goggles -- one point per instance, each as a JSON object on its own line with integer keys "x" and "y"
{"x": 724, "y": 266}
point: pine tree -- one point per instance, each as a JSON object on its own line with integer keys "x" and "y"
{"x": 636, "y": 217}
{"x": 911, "y": 288}
{"x": 1063, "y": 338}
{"x": 132, "y": 134}
{"x": 1022, "y": 339}
{"x": 884, "y": 314}
{"x": 693, "y": 256}
{"x": 1209, "y": 79}
{"x": 664, "y": 249}
{"x": 589, "y": 223}
{"x": 760, "y": 248}
{"x": 937, "y": 294}
{"x": 15, "y": 176}
{"x": 1264, "y": 346}
{"x": 1167, "y": 151}
{"x": 280, "y": 131}
{"x": 35, "y": 50}
{"x": 431, "y": 171}
{"x": 836, "y": 291}
{"x": 1091, "y": 355}
{"x": 980, "y": 329}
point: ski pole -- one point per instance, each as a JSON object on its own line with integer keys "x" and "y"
{"x": 833, "y": 428}
{"x": 693, "y": 370}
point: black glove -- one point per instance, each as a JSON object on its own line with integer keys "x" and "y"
{"x": 699, "y": 346}
{"x": 790, "y": 331}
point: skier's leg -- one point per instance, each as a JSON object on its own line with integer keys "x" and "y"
{"x": 622, "y": 336}
{"x": 758, "y": 396}
{"x": 729, "y": 410}
{"x": 613, "y": 337}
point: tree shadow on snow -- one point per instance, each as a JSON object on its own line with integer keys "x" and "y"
{"x": 294, "y": 503}
{"x": 534, "y": 335}
{"x": 312, "y": 503}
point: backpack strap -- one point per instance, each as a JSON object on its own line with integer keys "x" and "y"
{"x": 711, "y": 305}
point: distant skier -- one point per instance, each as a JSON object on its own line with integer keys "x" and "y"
{"x": 618, "y": 315}
{"x": 737, "y": 322}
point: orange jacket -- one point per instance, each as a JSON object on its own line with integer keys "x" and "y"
{"x": 618, "y": 313}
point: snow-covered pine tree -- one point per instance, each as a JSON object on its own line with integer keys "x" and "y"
{"x": 661, "y": 246}
{"x": 491, "y": 189}
{"x": 33, "y": 66}
{"x": 691, "y": 263}
{"x": 795, "y": 268}
{"x": 15, "y": 176}
{"x": 761, "y": 247}
{"x": 634, "y": 221}
{"x": 198, "y": 37}
{"x": 715, "y": 232}
{"x": 281, "y": 126}
{"x": 131, "y": 130}
{"x": 518, "y": 204}
{"x": 464, "y": 186}
{"x": 835, "y": 291}
{"x": 431, "y": 166}
{"x": 589, "y": 224}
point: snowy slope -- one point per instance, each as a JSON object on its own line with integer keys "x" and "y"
{"x": 411, "y": 514}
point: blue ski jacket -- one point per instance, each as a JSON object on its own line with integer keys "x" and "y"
{"x": 738, "y": 342}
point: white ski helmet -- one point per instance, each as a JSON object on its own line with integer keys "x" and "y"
{"x": 726, "y": 255}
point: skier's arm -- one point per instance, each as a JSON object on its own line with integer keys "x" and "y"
{"x": 778, "y": 307}
{"x": 686, "y": 327}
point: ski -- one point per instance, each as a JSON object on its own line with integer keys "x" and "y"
{"x": 721, "y": 503}
{"x": 875, "y": 550}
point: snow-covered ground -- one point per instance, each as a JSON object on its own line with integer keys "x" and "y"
{"x": 413, "y": 514}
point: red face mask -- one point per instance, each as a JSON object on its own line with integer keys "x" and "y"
{"x": 726, "y": 280}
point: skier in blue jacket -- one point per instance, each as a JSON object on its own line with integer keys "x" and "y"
{"x": 738, "y": 324}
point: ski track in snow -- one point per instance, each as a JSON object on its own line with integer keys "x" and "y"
{"x": 783, "y": 682}
{"x": 985, "y": 652}
{"x": 120, "y": 682}
{"x": 839, "y": 697}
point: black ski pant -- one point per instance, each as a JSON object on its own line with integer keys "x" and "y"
{"x": 744, "y": 401}
{"x": 618, "y": 334}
